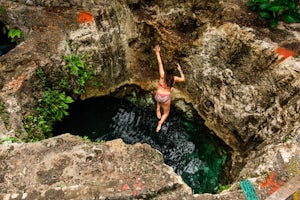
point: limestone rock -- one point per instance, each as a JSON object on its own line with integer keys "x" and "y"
{"x": 66, "y": 167}
{"x": 245, "y": 92}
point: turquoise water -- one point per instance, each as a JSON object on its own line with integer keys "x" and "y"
{"x": 187, "y": 147}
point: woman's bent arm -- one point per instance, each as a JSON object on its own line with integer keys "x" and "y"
{"x": 181, "y": 78}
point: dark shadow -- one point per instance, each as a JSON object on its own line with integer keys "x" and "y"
{"x": 5, "y": 43}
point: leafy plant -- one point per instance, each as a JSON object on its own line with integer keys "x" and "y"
{"x": 86, "y": 138}
{"x": 275, "y": 10}
{"x": 8, "y": 139}
{"x": 100, "y": 141}
{"x": 222, "y": 188}
{"x": 13, "y": 34}
{"x": 51, "y": 108}
{"x": 54, "y": 104}
{"x": 80, "y": 70}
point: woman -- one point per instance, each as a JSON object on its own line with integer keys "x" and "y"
{"x": 163, "y": 93}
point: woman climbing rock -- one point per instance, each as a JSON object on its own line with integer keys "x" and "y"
{"x": 163, "y": 92}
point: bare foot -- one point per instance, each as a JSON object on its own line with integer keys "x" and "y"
{"x": 158, "y": 114}
{"x": 158, "y": 127}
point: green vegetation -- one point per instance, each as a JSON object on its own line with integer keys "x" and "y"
{"x": 13, "y": 34}
{"x": 276, "y": 10}
{"x": 286, "y": 139}
{"x": 8, "y": 139}
{"x": 100, "y": 141}
{"x": 61, "y": 185}
{"x": 86, "y": 138}
{"x": 54, "y": 104}
{"x": 222, "y": 188}
{"x": 80, "y": 70}
{"x": 51, "y": 108}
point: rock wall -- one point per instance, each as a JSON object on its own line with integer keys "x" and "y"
{"x": 246, "y": 93}
{"x": 66, "y": 167}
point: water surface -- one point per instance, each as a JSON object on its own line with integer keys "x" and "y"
{"x": 185, "y": 146}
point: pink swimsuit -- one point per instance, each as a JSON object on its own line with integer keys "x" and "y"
{"x": 162, "y": 98}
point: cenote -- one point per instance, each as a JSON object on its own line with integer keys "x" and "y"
{"x": 189, "y": 148}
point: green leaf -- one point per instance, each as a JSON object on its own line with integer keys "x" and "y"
{"x": 14, "y": 33}
{"x": 67, "y": 58}
{"x": 292, "y": 6}
{"x": 277, "y": 8}
{"x": 264, "y": 6}
{"x": 273, "y": 23}
{"x": 69, "y": 100}
{"x": 290, "y": 19}
{"x": 264, "y": 15}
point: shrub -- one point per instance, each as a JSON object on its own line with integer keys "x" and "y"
{"x": 54, "y": 104}
{"x": 273, "y": 11}
{"x": 52, "y": 107}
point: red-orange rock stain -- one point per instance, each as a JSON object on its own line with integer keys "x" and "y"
{"x": 284, "y": 52}
{"x": 85, "y": 17}
{"x": 272, "y": 183}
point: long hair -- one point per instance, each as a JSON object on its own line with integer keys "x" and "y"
{"x": 169, "y": 77}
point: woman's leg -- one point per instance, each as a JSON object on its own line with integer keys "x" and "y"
{"x": 166, "y": 108}
{"x": 158, "y": 113}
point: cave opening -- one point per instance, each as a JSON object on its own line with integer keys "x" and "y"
{"x": 9, "y": 38}
{"x": 190, "y": 148}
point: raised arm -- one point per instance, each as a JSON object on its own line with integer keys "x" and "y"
{"x": 160, "y": 65}
{"x": 181, "y": 78}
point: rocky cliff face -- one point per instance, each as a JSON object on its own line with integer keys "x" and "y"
{"x": 66, "y": 167}
{"x": 245, "y": 91}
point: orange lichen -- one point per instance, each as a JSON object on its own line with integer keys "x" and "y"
{"x": 284, "y": 52}
{"x": 272, "y": 183}
{"x": 85, "y": 17}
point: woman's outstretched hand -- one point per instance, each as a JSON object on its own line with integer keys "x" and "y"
{"x": 178, "y": 67}
{"x": 156, "y": 48}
